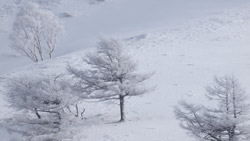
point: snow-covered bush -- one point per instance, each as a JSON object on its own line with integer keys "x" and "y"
{"x": 38, "y": 94}
{"x": 42, "y": 102}
{"x": 34, "y": 32}
{"x": 112, "y": 74}
{"x": 228, "y": 121}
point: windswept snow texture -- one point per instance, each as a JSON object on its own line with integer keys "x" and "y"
{"x": 185, "y": 43}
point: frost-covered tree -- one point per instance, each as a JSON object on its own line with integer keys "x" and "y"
{"x": 43, "y": 94}
{"x": 51, "y": 32}
{"x": 227, "y": 121}
{"x": 35, "y": 31}
{"x": 111, "y": 74}
{"x": 44, "y": 99}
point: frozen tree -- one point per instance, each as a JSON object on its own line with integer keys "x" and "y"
{"x": 51, "y": 32}
{"x": 111, "y": 75}
{"x": 233, "y": 106}
{"x": 228, "y": 121}
{"x": 34, "y": 31}
{"x": 198, "y": 122}
{"x": 43, "y": 94}
{"x": 44, "y": 99}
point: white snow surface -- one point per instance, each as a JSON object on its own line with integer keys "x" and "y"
{"x": 185, "y": 43}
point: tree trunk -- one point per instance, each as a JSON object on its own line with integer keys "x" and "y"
{"x": 121, "y": 98}
{"x": 77, "y": 110}
{"x": 34, "y": 55}
{"x": 41, "y": 54}
{"x": 37, "y": 114}
{"x": 231, "y": 133}
{"x": 50, "y": 55}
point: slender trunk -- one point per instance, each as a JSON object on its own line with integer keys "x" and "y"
{"x": 77, "y": 111}
{"x": 36, "y": 60}
{"x": 82, "y": 112}
{"x": 227, "y": 104}
{"x": 232, "y": 129}
{"x": 234, "y": 102}
{"x": 37, "y": 114}
{"x": 227, "y": 97}
{"x": 38, "y": 46}
{"x": 50, "y": 55}
{"x": 41, "y": 54}
{"x": 231, "y": 134}
{"x": 121, "y": 98}
{"x": 35, "y": 56}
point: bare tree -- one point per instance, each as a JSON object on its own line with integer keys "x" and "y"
{"x": 34, "y": 31}
{"x": 112, "y": 74}
{"x": 228, "y": 121}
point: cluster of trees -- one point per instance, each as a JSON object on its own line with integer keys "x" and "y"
{"x": 226, "y": 121}
{"x": 48, "y": 99}
{"x": 110, "y": 74}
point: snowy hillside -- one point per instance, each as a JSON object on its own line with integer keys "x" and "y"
{"x": 185, "y": 43}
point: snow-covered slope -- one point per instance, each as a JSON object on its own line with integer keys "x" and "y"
{"x": 115, "y": 18}
{"x": 184, "y": 43}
